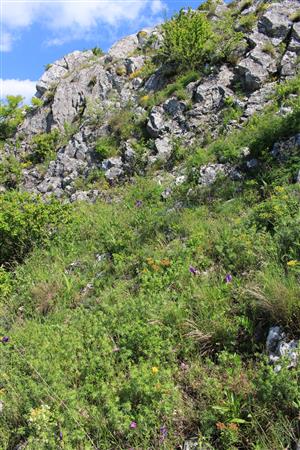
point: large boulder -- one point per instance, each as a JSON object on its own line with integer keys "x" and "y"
{"x": 275, "y": 22}
{"x": 60, "y": 68}
{"x": 125, "y": 47}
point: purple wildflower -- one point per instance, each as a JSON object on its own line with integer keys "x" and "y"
{"x": 5, "y": 339}
{"x": 228, "y": 278}
{"x": 133, "y": 425}
{"x": 163, "y": 433}
{"x": 193, "y": 270}
{"x": 138, "y": 203}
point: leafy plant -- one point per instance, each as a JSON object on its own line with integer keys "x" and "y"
{"x": 43, "y": 145}
{"x": 11, "y": 115}
{"x": 106, "y": 147}
{"x": 10, "y": 172}
{"x": 187, "y": 39}
{"x": 97, "y": 51}
{"x": 25, "y": 221}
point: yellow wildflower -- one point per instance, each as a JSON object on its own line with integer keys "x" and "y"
{"x": 154, "y": 370}
{"x": 292, "y": 263}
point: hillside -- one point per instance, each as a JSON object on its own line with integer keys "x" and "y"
{"x": 150, "y": 249}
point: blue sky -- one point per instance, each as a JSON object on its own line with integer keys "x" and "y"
{"x": 37, "y": 32}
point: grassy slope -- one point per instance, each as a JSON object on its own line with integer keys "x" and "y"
{"x": 133, "y": 350}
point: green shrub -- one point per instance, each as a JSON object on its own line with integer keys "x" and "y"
{"x": 43, "y": 145}
{"x": 259, "y": 134}
{"x": 187, "y": 39}
{"x": 176, "y": 88}
{"x": 37, "y": 102}
{"x": 125, "y": 124}
{"x": 97, "y": 51}
{"x": 11, "y": 115}
{"x": 229, "y": 42}
{"x": 26, "y": 221}
{"x": 106, "y": 147}
{"x": 10, "y": 172}
{"x": 5, "y": 283}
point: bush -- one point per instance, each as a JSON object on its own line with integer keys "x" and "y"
{"x": 5, "y": 283}
{"x": 37, "y": 102}
{"x": 43, "y": 145}
{"x": 10, "y": 172}
{"x": 105, "y": 147}
{"x": 26, "y": 221}
{"x": 97, "y": 51}
{"x": 187, "y": 39}
{"x": 125, "y": 124}
{"x": 11, "y": 115}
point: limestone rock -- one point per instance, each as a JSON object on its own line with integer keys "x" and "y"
{"x": 60, "y": 68}
{"x": 124, "y": 47}
{"x": 274, "y": 23}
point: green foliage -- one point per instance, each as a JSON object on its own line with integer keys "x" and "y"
{"x": 247, "y": 22}
{"x": 37, "y": 102}
{"x": 126, "y": 124}
{"x": 43, "y": 145}
{"x": 106, "y": 147}
{"x": 11, "y": 115}
{"x": 290, "y": 87}
{"x": 259, "y": 134}
{"x": 5, "y": 283}
{"x": 10, "y": 172}
{"x": 24, "y": 222}
{"x": 269, "y": 48}
{"x": 158, "y": 302}
{"x": 275, "y": 296}
{"x": 229, "y": 42}
{"x": 97, "y": 51}
{"x": 176, "y": 88}
{"x": 187, "y": 39}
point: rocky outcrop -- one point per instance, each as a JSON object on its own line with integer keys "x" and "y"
{"x": 86, "y": 92}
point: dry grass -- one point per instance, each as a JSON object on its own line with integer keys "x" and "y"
{"x": 44, "y": 294}
{"x": 277, "y": 299}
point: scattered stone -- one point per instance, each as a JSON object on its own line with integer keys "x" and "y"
{"x": 100, "y": 257}
{"x": 278, "y": 347}
{"x": 73, "y": 266}
{"x": 252, "y": 164}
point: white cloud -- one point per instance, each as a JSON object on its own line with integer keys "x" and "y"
{"x": 26, "y": 88}
{"x": 157, "y": 6}
{"x": 75, "y": 17}
{"x": 5, "y": 42}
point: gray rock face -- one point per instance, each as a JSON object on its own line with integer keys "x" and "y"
{"x": 164, "y": 148}
{"x": 86, "y": 91}
{"x": 113, "y": 168}
{"x": 284, "y": 149}
{"x": 60, "y": 68}
{"x": 124, "y": 47}
{"x": 210, "y": 97}
{"x": 252, "y": 73}
{"x": 85, "y": 196}
{"x": 294, "y": 44}
{"x": 156, "y": 122}
{"x": 208, "y": 173}
{"x": 275, "y": 23}
{"x": 278, "y": 348}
